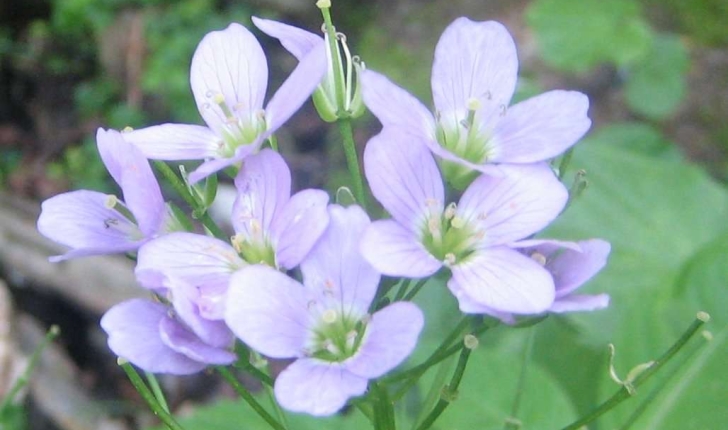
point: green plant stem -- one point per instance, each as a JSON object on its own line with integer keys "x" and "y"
{"x": 23, "y": 379}
{"x": 564, "y": 163}
{"x": 198, "y": 210}
{"x": 433, "y": 394}
{"x": 403, "y": 287}
{"x": 249, "y": 399}
{"x": 520, "y": 385}
{"x": 273, "y": 141}
{"x": 352, "y": 160}
{"x": 623, "y": 393}
{"x": 336, "y": 60}
{"x": 413, "y": 292}
{"x": 157, "y": 390}
{"x": 148, "y": 396}
{"x": 450, "y": 391}
{"x": 383, "y": 408}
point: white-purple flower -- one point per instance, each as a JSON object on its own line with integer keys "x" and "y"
{"x": 229, "y": 78}
{"x": 473, "y": 80}
{"x": 473, "y": 237}
{"x": 272, "y": 227}
{"x": 167, "y": 338}
{"x": 325, "y": 323}
{"x": 571, "y": 264}
{"x": 94, "y": 223}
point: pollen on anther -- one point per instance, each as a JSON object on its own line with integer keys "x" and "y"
{"x": 473, "y": 104}
{"x": 111, "y": 201}
{"x": 329, "y": 316}
{"x": 539, "y": 258}
{"x": 457, "y": 222}
{"x": 449, "y": 259}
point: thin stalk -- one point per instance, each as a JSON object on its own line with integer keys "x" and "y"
{"x": 22, "y": 381}
{"x": 564, "y": 163}
{"x": 383, "y": 408}
{"x": 148, "y": 396}
{"x": 352, "y": 160}
{"x": 450, "y": 391}
{"x": 435, "y": 391}
{"x": 413, "y": 292}
{"x": 623, "y": 393}
{"x": 663, "y": 383}
{"x": 273, "y": 141}
{"x": 276, "y": 407}
{"x": 403, "y": 287}
{"x": 525, "y": 360}
{"x": 157, "y": 390}
{"x": 249, "y": 399}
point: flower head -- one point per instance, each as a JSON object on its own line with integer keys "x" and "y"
{"x": 473, "y": 80}
{"x": 472, "y": 237}
{"x": 229, "y": 78}
{"x": 272, "y": 227}
{"x": 325, "y": 323}
{"x": 93, "y": 223}
{"x": 167, "y": 338}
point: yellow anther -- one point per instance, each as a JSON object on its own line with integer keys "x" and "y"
{"x": 323, "y": 4}
{"x": 219, "y": 99}
{"x": 539, "y": 258}
{"x": 471, "y": 342}
{"x": 457, "y": 223}
{"x": 473, "y": 104}
{"x": 127, "y": 129}
{"x": 449, "y": 259}
{"x": 450, "y": 210}
{"x": 329, "y": 316}
{"x": 111, "y": 201}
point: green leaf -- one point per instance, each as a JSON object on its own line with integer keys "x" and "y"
{"x": 576, "y": 35}
{"x": 656, "y": 84}
{"x": 639, "y": 137}
{"x": 657, "y": 214}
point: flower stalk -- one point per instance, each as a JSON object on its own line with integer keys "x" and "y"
{"x": 148, "y": 396}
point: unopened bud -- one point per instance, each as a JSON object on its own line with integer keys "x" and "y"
{"x": 703, "y": 316}
{"x": 471, "y": 342}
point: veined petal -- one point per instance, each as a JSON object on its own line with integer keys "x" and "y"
{"x": 390, "y": 338}
{"x": 230, "y": 63}
{"x": 296, "y": 89}
{"x": 396, "y": 251}
{"x": 185, "y": 300}
{"x": 175, "y": 142}
{"x": 395, "y": 107}
{"x": 82, "y": 221}
{"x": 213, "y": 166}
{"x": 298, "y": 226}
{"x": 469, "y": 306}
{"x": 540, "y": 128}
{"x": 268, "y": 311}
{"x": 131, "y": 170}
{"x": 335, "y": 268}
{"x": 297, "y": 41}
{"x": 473, "y": 60}
{"x": 133, "y": 330}
{"x": 317, "y": 388}
{"x": 579, "y": 303}
{"x": 177, "y": 337}
{"x": 404, "y": 178}
{"x": 504, "y": 280}
{"x": 201, "y": 261}
{"x": 513, "y": 206}
{"x": 264, "y": 186}
{"x": 570, "y": 267}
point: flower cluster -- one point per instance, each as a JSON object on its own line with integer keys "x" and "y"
{"x": 211, "y": 292}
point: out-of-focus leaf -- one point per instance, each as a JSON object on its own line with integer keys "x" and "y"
{"x": 656, "y": 84}
{"x": 575, "y": 35}
{"x": 639, "y": 137}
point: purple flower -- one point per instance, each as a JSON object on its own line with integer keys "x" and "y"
{"x": 324, "y": 324}
{"x": 162, "y": 338}
{"x": 229, "y": 78}
{"x": 471, "y": 238}
{"x": 571, "y": 264}
{"x": 93, "y": 223}
{"x": 272, "y": 227}
{"x": 473, "y": 79}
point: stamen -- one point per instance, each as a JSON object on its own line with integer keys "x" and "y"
{"x": 450, "y": 211}
{"x": 329, "y": 316}
{"x": 539, "y": 258}
{"x": 111, "y": 201}
{"x": 449, "y": 259}
{"x": 457, "y": 223}
{"x": 219, "y": 100}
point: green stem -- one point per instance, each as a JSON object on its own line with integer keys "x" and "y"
{"x": 336, "y": 60}
{"x": 525, "y": 360}
{"x": 148, "y": 396}
{"x": 22, "y": 381}
{"x": 623, "y": 393}
{"x": 434, "y": 393}
{"x": 352, "y": 160}
{"x": 413, "y": 292}
{"x": 198, "y": 210}
{"x": 403, "y": 287}
{"x": 450, "y": 391}
{"x": 245, "y": 394}
{"x": 383, "y": 408}
{"x": 565, "y": 160}
{"x": 157, "y": 390}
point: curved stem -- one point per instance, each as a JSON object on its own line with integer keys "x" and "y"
{"x": 624, "y": 393}
{"x": 527, "y": 347}
{"x": 449, "y": 391}
{"x": 249, "y": 399}
{"x": 148, "y": 396}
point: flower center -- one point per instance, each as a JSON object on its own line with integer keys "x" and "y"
{"x": 337, "y": 337}
{"x": 448, "y": 237}
{"x": 124, "y": 222}
{"x": 253, "y": 246}
{"x": 240, "y": 126}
